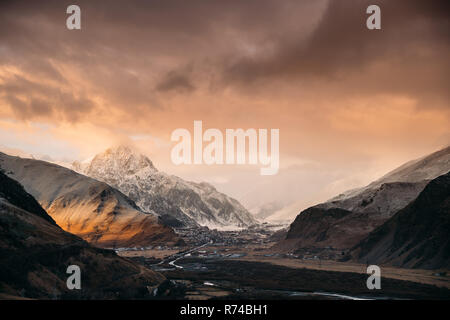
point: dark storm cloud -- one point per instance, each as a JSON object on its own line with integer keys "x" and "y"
{"x": 175, "y": 82}
{"x": 342, "y": 40}
{"x": 129, "y": 53}
{"x": 28, "y": 98}
{"x": 411, "y": 49}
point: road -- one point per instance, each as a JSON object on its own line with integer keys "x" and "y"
{"x": 174, "y": 258}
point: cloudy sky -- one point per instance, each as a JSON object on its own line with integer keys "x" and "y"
{"x": 350, "y": 103}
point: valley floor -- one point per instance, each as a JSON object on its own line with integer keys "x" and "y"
{"x": 432, "y": 277}
{"x": 253, "y": 271}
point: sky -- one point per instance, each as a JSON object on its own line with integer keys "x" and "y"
{"x": 351, "y": 104}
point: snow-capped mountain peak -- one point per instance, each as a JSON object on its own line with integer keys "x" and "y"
{"x": 121, "y": 160}
{"x": 168, "y": 196}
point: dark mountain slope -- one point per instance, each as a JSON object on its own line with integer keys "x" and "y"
{"x": 416, "y": 236}
{"x": 35, "y": 254}
{"x": 321, "y": 228}
{"x": 14, "y": 193}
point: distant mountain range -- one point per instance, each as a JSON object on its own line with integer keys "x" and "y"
{"x": 35, "y": 253}
{"x": 341, "y": 223}
{"x": 91, "y": 209}
{"x": 176, "y": 201}
{"x": 119, "y": 199}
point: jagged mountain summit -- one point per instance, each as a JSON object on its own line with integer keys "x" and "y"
{"x": 88, "y": 208}
{"x": 176, "y": 201}
{"x": 345, "y": 220}
{"x": 35, "y": 252}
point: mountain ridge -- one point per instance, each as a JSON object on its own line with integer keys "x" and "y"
{"x": 86, "y": 207}
{"x": 417, "y": 235}
{"x": 366, "y": 208}
{"x": 35, "y": 253}
{"x": 168, "y": 196}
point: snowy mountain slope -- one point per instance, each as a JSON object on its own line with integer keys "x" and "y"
{"x": 396, "y": 189}
{"x": 86, "y": 207}
{"x": 170, "y": 197}
{"x": 419, "y": 170}
{"x": 348, "y": 218}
